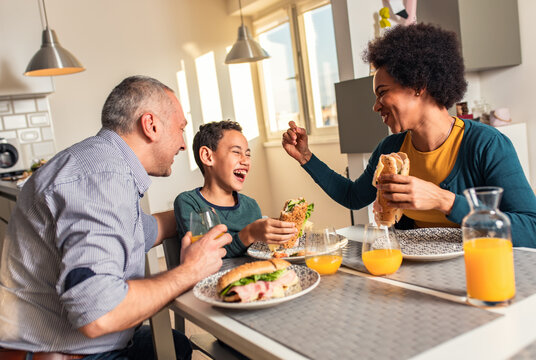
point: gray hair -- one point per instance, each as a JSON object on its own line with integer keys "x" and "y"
{"x": 128, "y": 101}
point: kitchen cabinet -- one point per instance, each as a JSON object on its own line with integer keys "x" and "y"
{"x": 20, "y": 38}
{"x": 488, "y": 29}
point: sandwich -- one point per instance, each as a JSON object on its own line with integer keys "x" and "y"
{"x": 259, "y": 280}
{"x": 296, "y": 211}
{"x": 393, "y": 163}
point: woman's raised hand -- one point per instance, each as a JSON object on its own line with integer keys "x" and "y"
{"x": 295, "y": 143}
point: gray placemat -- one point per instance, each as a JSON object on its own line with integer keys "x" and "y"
{"x": 348, "y": 317}
{"x": 448, "y": 275}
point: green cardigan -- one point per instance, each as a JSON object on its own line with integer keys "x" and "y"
{"x": 486, "y": 158}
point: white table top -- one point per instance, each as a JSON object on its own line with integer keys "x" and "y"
{"x": 498, "y": 339}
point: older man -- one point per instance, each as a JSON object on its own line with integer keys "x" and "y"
{"x": 72, "y": 266}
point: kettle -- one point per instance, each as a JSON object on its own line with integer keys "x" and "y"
{"x": 8, "y": 154}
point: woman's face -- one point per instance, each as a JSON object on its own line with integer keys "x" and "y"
{"x": 400, "y": 107}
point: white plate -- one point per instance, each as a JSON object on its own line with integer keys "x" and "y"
{"x": 260, "y": 250}
{"x": 430, "y": 244}
{"x": 205, "y": 290}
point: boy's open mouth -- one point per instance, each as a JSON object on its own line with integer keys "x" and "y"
{"x": 240, "y": 174}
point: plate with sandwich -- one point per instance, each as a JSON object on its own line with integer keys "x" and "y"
{"x": 257, "y": 285}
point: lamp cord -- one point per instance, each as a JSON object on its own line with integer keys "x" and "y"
{"x": 241, "y": 17}
{"x": 43, "y": 12}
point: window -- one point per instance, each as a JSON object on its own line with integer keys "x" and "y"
{"x": 209, "y": 92}
{"x": 184, "y": 98}
{"x": 243, "y": 98}
{"x": 297, "y": 81}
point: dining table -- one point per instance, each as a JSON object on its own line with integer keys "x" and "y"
{"x": 420, "y": 312}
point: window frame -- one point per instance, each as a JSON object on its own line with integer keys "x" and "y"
{"x": 293, "y": 13}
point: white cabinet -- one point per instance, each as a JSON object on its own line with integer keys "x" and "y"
{"x": 488, "y": 29}
{"x": 20, "y": 38}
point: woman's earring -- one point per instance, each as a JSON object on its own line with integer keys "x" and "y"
{"x": 417, "y": 93}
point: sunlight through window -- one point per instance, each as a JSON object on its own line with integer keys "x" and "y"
{"x": 209, "y": 92}
{"x": 184, "y": 98}
{"x": 243, "y": 98}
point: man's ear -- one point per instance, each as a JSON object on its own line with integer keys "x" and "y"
{"x": 206, "y": 156}
{"x": 150, "y": 126}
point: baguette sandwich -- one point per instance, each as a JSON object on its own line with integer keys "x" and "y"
{"x": 260, "y": 280}
{"x": 393, "y": 163}
{"x": 296, "y": 211}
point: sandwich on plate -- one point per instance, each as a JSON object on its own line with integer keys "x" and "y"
{"x": 260, "y": 280}
{"x": 393, "y": 163}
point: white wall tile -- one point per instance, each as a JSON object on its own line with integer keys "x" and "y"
{"x": 27, "y": 154}
{"x": 47, "y": 133}
{"x": 42, "y": 104}
{"x": 14, "y": 122}
{"x": 38, "y": 119}
{"x": 8, "y": 134}
{"x": 29, "y": 135}
{"x": 24, "y": 106}
{"x": 5, "y": 107}
{"x": 1, "y": 124}
{"x": 43, "y": 149}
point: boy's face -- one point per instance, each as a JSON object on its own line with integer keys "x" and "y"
{"x": 231, "y": 161}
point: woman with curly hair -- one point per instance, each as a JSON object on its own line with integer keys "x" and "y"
{"x": 420, "y": 74}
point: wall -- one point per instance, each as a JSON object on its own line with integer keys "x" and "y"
{"x": 288, "y": 180}
{"x": 115, "y": 39}
{"x": 514, "y": 87}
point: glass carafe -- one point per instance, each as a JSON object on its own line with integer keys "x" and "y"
{"x": 487, "y": 245}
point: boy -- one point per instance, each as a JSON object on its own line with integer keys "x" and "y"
{"x": 222, "y": 153}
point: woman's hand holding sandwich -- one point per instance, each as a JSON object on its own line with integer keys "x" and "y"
{"x": 270, "y": 231}
{"x": 410, "y": 192}
{"x": 296, "y": 144}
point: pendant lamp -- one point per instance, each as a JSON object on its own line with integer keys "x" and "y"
{"x": 52, "y": 59}
{"x": 245, "y": 49}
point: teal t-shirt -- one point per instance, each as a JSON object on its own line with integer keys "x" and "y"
{"x": 244, "y": 212}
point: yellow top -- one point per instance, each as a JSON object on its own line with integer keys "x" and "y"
{"x": 433, "y": 166}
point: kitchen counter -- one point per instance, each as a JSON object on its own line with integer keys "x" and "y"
{"x": 9, "y": 189}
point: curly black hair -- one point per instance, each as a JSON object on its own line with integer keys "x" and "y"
{"x": 422, "y": 56}
{"x": 209, "y": 135}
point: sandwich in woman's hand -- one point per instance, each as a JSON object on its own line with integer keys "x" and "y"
{"x": 296, "y": 211}
{"x": 393, "y": 163}
{"x": 260, "y": 280}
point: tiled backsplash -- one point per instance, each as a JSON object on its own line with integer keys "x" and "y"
{"x": 28, "y": 120}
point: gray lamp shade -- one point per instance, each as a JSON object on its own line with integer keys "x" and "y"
{"x": 245, "y": 49}
{"x": 52, "y": 59}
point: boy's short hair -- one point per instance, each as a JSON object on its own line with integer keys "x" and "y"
{"x": 209, "y": 135}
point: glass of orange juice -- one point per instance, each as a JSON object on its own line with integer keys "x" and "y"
{"x": 381, "y": 250}
{"x": 201, "y": 222}
{"x": 323, "y": 252}
{"x": 487, "y": 245}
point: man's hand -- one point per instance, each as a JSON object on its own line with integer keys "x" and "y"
{"x": 410, "y": 192}
{"x": 295, "y": 143}
{"x": 204, "y": 257}
{"x": 268, "y": 230}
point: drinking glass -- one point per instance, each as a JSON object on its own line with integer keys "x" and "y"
{"x": 487, "y": 246}
{"x": 201, "y": 222}
{"x": 381, "y": 251}
{"x": 323, "y": 252}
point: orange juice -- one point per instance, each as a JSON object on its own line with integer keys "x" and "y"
{"x": 382, "y": 261}
{"x": 324, "y": 264}
{"x": 196, "y": 237}
{"x": 489, "y": 269}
